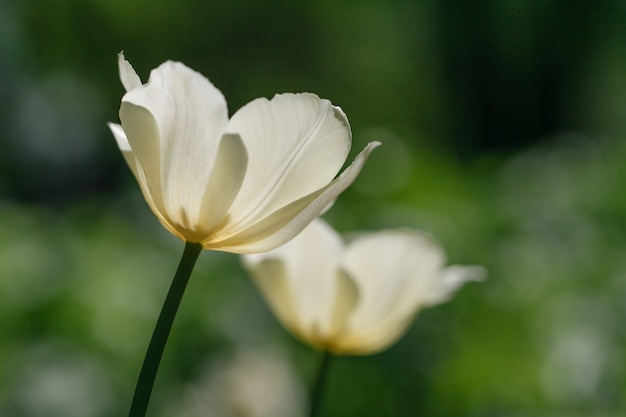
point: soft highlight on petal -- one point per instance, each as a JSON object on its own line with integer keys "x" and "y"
{"x": 310, "y": 263}
{"x": 228, "y": 173}
{"x": 282, "y": 225}
{"x": 140, "y": 176}
{"x": 122, "y": 143}
{"x": 346, "y": 299}
{"x": 297, "y": 143}
{"x": 143, "y": 138}
{"x": 374, "y": 339}
{"x": 412, "y": 260}
{"x": 128, "y": 76}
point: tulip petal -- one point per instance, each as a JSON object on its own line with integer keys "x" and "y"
{"x": 394, "y": 271}
{"x": 271, "y": 278}
{"x": 122, "y": 143}
{"x": 285, "y": 223}
{"x": 140, "y": 176}
{"x": 142, "y": 136}
{"x": 393, "y": 268}
{"x": 346, "y": 299}
{"x": 297, "y": 144}
{"x": 311, "y": 262}
{"x": 375, "y": 339}
{"x": 190, "y": 115}
{"x": 128, "y": 76}
{"x": 451, "y": 279}
{"x": 228, "y": 172}
{"x": 386, "y": 331}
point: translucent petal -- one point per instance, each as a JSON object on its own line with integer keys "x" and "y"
{"x": 372, "y": 340}
{"x": 346, "y": 299}
{"x": 398, "y": 273}
{"x": 270, "y": 276}
{"x": 142, "y": 136}
{"x": 228, "y": 172}
{"x": 320, "y": 296}
{"x": 394, "y": 271}
{"x": 128, "y": 76}
{"x": 451, "y": 279}
{"x": 140, "y": 176}
{"x": 297, "y": 144}
{"x": 285, "y": 223}
{"x": 122, "y": 143}
{"x": 190, "y": 115}
{"x": 312, "y": 259}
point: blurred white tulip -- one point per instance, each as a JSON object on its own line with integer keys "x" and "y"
{"x": 358, "y": 298}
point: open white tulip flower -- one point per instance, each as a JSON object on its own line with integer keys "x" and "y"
{"x": 245, "y": 184}
{"x": 358, "y": 298}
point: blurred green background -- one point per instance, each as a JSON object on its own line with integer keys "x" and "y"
{"x": 503, "y": 125}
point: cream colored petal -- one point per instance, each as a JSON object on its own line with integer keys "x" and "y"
{"x": 398, "y": 273}
{"x": 386, "y": 331}
{"x": 140, "y": 176}
{"x": 161, "y": 215}
{"x": 311, "y": 264}
{"x": 270, "y": 276}
{"x": 346, "y": 299}
{"x": 312, "y": 259}
{"x": 141, "y": 132}
{"x": 122, "y": 143}
{"x": 374, "y": 339}
{"x": 128, "y": 76}
{"x": 190, "y": 116}
{"x": 297, "y": 144}
{"x": 285, "y": 223}
{"x": 450, "y": 280}
{"x": 228, "y": 173}
{"x": 394, "y": 270}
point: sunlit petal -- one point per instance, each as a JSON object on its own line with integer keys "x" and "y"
{"x": 394, "y": 271}
{"x": 282, "y": 225}
{"x": 228, "y": 172}
{"x": 376, "y": 338}
{"x": 140, "y": 176}
{"x": 143, "y": 138}
{"x": 310, "y": 263}
{"x": 345, "y": 301}
{"x": 122, "y": 143}
{"x": 191, "y": 116}
{"x": 270, "y": 276}
{"x": 242, "y": 186}
{"x": 452, "y": 278}
{"x": 297, "y": 143}
{"x": 128, "y": 76}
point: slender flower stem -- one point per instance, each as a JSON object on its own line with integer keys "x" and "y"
{"x": 318, "y": 384}
{"x": 151, "y": 362}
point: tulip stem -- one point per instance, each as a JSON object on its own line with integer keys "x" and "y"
{"x": 318, "y": 383}
{"x": 151, "y": 362}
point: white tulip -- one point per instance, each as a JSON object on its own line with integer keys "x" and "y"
{"x": 358, "y": 298}
{"x": 245, "y": 184}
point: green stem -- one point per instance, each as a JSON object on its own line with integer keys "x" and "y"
{"x": 318, "y": 384}
{"x": 151, "y": 362}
